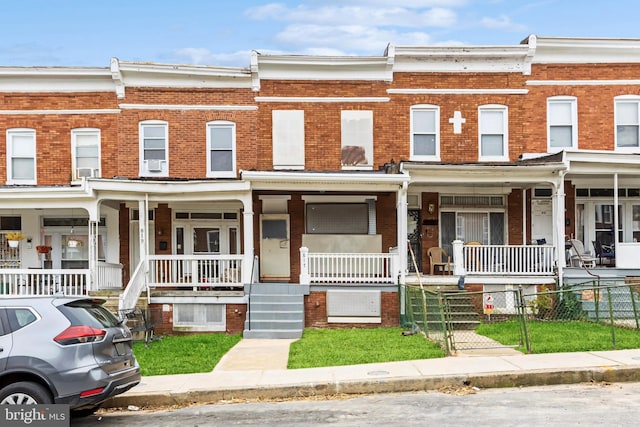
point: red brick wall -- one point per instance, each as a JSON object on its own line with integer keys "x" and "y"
{"x": 315, "y": 307}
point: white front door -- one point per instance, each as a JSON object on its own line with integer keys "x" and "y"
{"x": 541, "y": 220}
{"x": 274, "y": 247}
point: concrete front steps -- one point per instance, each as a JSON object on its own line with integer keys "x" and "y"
{"x": 276, "y": 311}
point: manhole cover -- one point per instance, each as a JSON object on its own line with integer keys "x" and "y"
{"x": 377, "y": 373}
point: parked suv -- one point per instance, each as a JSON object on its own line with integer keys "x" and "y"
{"x": 63, "y": 350}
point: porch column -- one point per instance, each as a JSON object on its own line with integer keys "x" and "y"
{"x": 94, "y": 218}
{"x": 142, "y": 233}
{"x": 558, "y": 210}
{"x": 401, "y": 213}
{"x": 247, "y": 261}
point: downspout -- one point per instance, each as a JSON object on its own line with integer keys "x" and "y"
{"x": 615, "y": 210}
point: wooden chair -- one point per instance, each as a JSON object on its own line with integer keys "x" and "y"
{"x": 580, "y": 257}
{"x": 439, "y": 260}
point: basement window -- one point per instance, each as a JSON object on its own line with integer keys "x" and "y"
{"x": 199, "y": 317}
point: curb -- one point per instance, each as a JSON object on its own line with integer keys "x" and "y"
{"x": 383, "y": 385}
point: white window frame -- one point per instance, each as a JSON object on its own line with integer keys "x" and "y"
{"x": 428, "y": 108}
{"x": 14, "y": 132}
{"x": 356, "y": 130}
{"x": 288, "y": 139}
{"x": 221, "y": 124}
{"x": 504, "y": 132}
{"x": 573, "y": 103}
{"x": 144, "y": 171}
{"x": 95, "y": 172}
{"x": 626, "y": 99}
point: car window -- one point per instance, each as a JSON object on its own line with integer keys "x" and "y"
{"x": 20, "y": 317}
{"x": 89, "y": 313}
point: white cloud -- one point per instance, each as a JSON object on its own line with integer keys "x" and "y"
{"x": 503, "y": 22}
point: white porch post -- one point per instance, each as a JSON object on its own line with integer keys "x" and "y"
{"x": 558, "y": 209}
{"x": 94, "y": 218}
{"x": 458, "y": 258}
{"x": 402, "y": 212}
{"x": 249, "y": 250}
{"x": 305, "y": 278}
{"x": 142, "y": 233}
{"x": 615, "y": 210}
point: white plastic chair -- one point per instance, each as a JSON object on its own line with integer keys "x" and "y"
{"x": 580, "y": 257}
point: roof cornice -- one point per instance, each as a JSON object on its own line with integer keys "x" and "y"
{"x": 302, "y": 67}
{"x": 563, "y": 50}
{"x": 55, "y": 79}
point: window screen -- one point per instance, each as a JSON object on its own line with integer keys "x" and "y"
{"x": 337, "y": 218}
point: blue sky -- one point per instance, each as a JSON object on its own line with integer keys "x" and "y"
{"x": 223, "y": 32}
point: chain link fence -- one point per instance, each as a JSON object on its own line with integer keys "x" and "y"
{"x": 589, "y": 316}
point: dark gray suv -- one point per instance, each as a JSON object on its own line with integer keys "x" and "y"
{"x": 64, "y": 350}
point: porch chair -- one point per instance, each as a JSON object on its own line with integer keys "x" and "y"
{"x": 439, "y": 260}
{"x": 580, "y": 257}
{"x": 604, "y": 252}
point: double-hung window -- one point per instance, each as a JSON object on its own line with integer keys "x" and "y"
{"x": 221, "y": 149}
{"x": 562, "y": 122}
{"x": 425, "y": 132}
{"x": 357, "y": 139}
{"x": 627, "y": 116}
{"x": 154, "y": 146}
{"x": 85, "y": 146}
{"x": 21, "y": 156}
{"x": 493, "y": 128}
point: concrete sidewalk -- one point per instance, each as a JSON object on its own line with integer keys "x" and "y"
{"x": 256, "y": 369}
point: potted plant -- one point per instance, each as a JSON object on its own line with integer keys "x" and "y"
{"x": 43, "y": 249}
{"x": 14, "y": 237}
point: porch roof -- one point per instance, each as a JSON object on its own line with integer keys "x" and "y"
{"x": 322, "y": 181}
{"x": 523, "y": 173}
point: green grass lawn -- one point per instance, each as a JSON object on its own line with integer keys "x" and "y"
{"x": 558, "y": 337}
{"x": 335, "y": 347}
{"x": 184, "y": 354}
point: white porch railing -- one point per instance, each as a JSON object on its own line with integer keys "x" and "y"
{"x": 505, "y": 260}
{"x": 348, "y": 268}
{"x": 136, "y": 285}
{"x": 108, "y": 276}
{"x": 195, "y": 271}
{"x": 17, "y": 281}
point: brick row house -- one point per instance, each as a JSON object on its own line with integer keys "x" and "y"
{"x": 303, "y": 191}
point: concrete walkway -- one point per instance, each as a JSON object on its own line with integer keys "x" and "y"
{"x": 256, "y": 369}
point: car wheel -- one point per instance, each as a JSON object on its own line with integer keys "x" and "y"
{"x": 25, "y": 393}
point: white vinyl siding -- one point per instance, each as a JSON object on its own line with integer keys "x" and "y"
{"x": 493, "y": 137}
{"x": 85, "y": 146}
{"x": 627, "y": 116}
{"x": 21, "y": 156}
{"x": 288, "y": 139}
{"x": 221, "y": 149}
{"x": 425, "y": 132}
{"x": 357, "y": 139}
{"x": 562, "y": 123}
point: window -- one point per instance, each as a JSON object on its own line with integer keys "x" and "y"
{"x": 21, "y": 156}
{"x": 153, "y": 148}
{"x": 202, "y": 317}
{"x": 340, "y": 218}
{"x": 357, "y": 139}
{"x": 562, "y": 123}
{"x": 627, "y": 116}
{"x": 85, "y": 146}
{"x": 493, "y": 132}
{"x": 425, "y": 132}
{"x": 221, "y": 147}
{"x": 288, "y": 139}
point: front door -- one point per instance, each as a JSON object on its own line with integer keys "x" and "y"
{"x": 274, "y": 247}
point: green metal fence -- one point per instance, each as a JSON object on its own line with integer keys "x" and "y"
{"x": 589, "y": 316}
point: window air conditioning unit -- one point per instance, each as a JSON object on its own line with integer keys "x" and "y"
{"x": 154, "y": 165}
{"x": 87, "y": 172}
